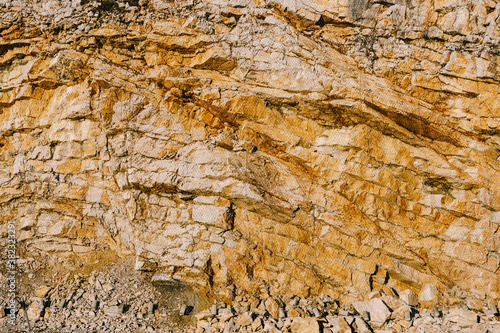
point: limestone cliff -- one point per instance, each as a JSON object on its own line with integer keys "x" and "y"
{"x": 276, "y": 145}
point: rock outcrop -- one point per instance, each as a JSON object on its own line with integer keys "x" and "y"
{"x": 309, "y": 146}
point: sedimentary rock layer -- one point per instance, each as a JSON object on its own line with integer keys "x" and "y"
{"x": 305, "y": 146}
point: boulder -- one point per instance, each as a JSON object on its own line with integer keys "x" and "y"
{"x": 379, "y": 312}
{"x": 409, "y": 297}
{"x": 429, "y": 296}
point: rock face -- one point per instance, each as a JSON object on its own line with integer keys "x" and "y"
{"x": 318, "y": 147}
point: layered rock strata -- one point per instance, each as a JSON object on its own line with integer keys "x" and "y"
{"x": 276, "y": 145}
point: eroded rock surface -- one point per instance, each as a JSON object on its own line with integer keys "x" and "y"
{"x": 305, "y": 146}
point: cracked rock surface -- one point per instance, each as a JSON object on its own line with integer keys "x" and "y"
{"x": 257, "y": 147}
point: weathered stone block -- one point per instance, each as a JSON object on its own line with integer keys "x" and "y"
{"x": 429, "y": 296}
{"x": 409, "y": 297}
{"x": 217, "y": 216}
{"x": 378, "y": 311}
{"x": 304, "y": 325}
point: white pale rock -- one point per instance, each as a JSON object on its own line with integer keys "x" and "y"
{"x": 463, "y": 318}
{"x": 338, "y": 324}
{"x": 114, "y": 310}
{"x": 362, "y": 326}
{"x": 203, "y": 315}
{"x": 409, "y": 297}
{"x": 159, "y": 170}
{"x": 244, "y": 319}
{"x": 379, "y": 312}
{"x": 35, "y": 311}
{"x": 229, "y": 327}
{"x": 41, "y": 153}
{"x": 257, "y": 324}
{"x": 304, "y": 325}
{"x": 42, "y": 291}
{"x": 212, "y": 215}
{"x": 429, "y": 296}
{"x": 163, "y": 278}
